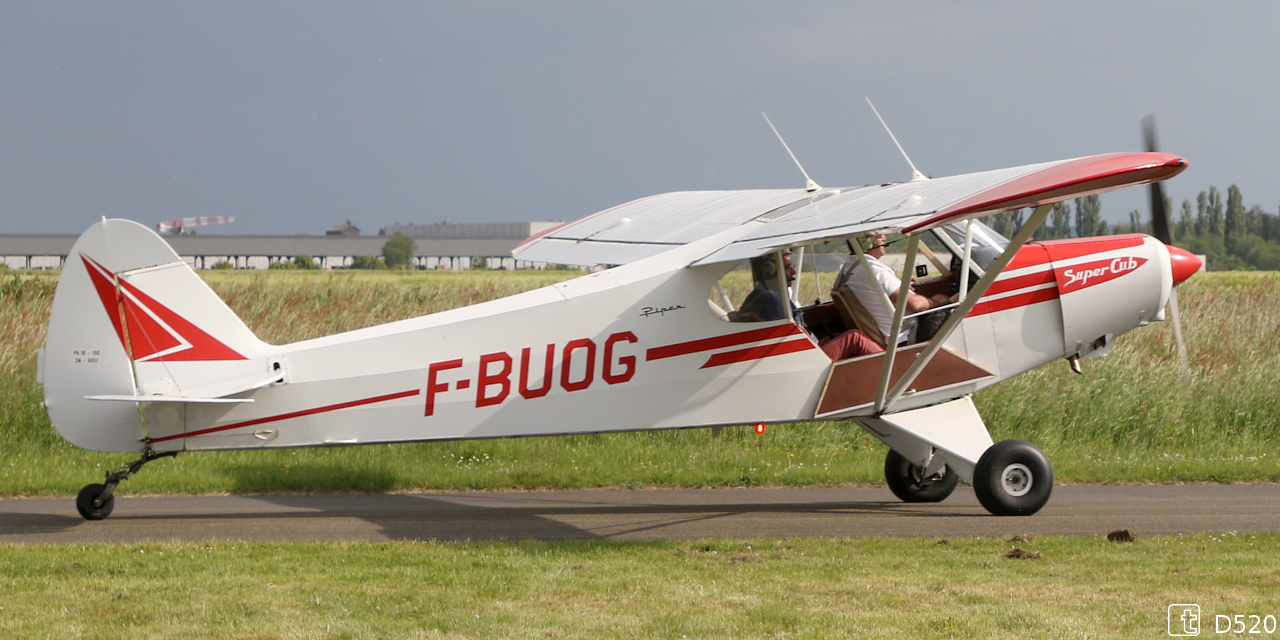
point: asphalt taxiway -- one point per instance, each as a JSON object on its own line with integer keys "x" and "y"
{"x": 674, "y": 514}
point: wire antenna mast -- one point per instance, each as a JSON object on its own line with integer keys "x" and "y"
{"x": 916, "y": 176}
{"x": 809, "y": 184}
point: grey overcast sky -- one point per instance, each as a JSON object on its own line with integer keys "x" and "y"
{"x": 294, "y": 116}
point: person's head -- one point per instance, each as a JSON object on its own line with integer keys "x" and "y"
{"x": 878, "y": 243}
{"x": 765, "y": 268}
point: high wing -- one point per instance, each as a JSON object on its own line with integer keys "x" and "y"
{"x": 769, "y": 219}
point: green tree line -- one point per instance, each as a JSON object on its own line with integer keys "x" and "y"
{"x": 1232, "y": 236}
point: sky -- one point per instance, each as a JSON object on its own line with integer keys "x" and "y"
{"x": 296, "y": 116}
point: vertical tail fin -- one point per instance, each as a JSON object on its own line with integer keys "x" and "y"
{"x": 131, "y": 319}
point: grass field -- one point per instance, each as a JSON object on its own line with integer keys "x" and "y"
{"x": 916, "y": 588}
{"x": 1129, "y": 419}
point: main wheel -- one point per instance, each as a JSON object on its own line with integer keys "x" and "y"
{"x": 906, "y": 482}
{"x": 89, "y": 505}
{"x": 1013, "y": 478}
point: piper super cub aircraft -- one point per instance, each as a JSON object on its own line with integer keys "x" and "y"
{"x": 142, "y": 356}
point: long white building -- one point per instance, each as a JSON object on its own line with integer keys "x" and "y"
{"x": 438, "y": 246}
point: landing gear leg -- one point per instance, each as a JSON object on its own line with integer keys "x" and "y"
{"x": 96, "y": 501}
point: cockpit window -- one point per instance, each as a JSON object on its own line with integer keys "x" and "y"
{"x": 753, "y": 291}
{"x": 987, "y": 244}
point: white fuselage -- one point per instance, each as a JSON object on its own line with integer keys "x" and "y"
{"x": 638, "y": 348}
{"x": 631, "y": 348}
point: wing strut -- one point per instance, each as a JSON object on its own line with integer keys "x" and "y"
{"x": 967, "y": 262}
{"x": 866, "y": 270}
{"x": 961, "y": 310}
{"x": 891, "y": 343}
{"x": 899, "y": 312}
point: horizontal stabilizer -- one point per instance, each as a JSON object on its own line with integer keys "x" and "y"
{"x": 208, "y": 394}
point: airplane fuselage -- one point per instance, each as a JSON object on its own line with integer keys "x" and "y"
{"x": 631, "y": 348}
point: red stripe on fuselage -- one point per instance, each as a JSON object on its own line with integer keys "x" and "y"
{"x": 1013, "y": 302}
{"x": 1031, "y": 254}
{"x": 294, "y": 414}
{"x": 731, "y": 340}
{"x": 756, "y": 353}
{"x": 1078, "y": 247}
{"x": 1021, "y": 282}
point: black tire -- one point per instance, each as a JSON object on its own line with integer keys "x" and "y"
{"x": 85, "y": 502}
{"x": 905, "y": 481}
{"x": 1013, "y": 478}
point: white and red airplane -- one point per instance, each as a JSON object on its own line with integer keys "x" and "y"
{"x": 143, "y": 357}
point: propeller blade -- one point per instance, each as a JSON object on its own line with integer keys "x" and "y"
{"x": 1159, "y": 212}
{"x": 1160, "y": 229}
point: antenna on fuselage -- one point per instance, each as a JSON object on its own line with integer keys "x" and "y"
{"x": 809, "y": 184}
{"x": 916, "y": 176}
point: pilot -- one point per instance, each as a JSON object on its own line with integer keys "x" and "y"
{"x": 766, "y": 300}
{"x": 852, "y": 279}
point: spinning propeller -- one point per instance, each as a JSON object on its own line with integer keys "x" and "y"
{"x": 1162, "y": 231}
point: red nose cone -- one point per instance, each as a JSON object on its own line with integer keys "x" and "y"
{"x": 1183, "y": 263}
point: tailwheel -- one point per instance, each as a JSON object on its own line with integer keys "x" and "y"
{"x": 1013, "y": 478}
{"x": 95, "y": 501}
{"x": 908, "y": 482}
{"x": 91, "y": 503}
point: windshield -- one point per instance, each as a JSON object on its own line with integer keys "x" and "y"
{"x": 987, "y": 244}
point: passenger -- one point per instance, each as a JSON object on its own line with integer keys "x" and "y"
{"x": 852, "y": 279}
{"x": 766, "y": 300}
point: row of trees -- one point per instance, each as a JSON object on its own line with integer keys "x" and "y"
{"x": 1082, "y": 220}
{"x": 1232, "y": 236}
{"x": 397, "y": 253}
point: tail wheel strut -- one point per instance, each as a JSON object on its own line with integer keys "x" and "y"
{"x": 95, "y": 501}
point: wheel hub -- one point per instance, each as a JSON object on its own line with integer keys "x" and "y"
{"x": 1016, "y": 479}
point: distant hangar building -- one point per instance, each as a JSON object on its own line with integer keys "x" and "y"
{"x": 443, "y": 245}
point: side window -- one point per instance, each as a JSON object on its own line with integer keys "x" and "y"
{"x": 749, "y": 293}
{"x": 729, "y": 292}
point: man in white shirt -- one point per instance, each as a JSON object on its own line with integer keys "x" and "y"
{"x": 852, "y": 278}
{"x": 766, "y": 300}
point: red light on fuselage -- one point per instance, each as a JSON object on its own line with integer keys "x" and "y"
{"x": 760, "y": 428}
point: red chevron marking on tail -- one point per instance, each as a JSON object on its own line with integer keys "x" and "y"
{"x": 155, "y": 332}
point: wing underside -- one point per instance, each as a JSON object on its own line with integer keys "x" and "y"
{"x": 791, "y": 217}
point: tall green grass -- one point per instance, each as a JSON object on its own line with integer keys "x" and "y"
{"x": 1130, "y": 418}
